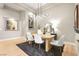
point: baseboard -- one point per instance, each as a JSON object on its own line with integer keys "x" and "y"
{"x": 12, "y": 38}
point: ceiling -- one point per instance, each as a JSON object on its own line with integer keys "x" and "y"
{"x": 33, "y": 7}
{"x": 25, "y": 6}
{"x": 21, "y": 6}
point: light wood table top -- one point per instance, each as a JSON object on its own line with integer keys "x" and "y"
{"x": 45, "y": 36}
{"x": 47, "y": 39}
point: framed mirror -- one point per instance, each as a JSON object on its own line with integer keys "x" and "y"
{"x": 76, "y": 19}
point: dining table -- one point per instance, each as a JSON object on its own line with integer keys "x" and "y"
{"x": 47, "y": 39}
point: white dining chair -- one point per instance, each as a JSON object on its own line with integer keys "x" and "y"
{"x": 38, "y": 40}
{"x": 58, "y": 45}
{"x": 29, "y": 37}
{"x": 59, "y": 33}
{"x": 58, "y": 42}
{"x": 39, "y": 32}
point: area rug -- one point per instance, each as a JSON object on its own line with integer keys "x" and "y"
{"x": 34, "y": 51}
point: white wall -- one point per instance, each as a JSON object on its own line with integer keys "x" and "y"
{"x": 65, "y": 14}
{"x": 11, "y": 14}
{"x": 76, "y": 36}
{"x": 9, "y": 34}
{"x": 62, "y": 12}
{"x": 23, "y": 23}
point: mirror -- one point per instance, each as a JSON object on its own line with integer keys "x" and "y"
{"x": 76, "y": 19}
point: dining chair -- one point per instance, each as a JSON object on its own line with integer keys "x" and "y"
{"x": 59, "y": 33}
{"x": 59, "y": 44}
{"x": 39, "y": 32}
{"x": 38, "y": 40}
{"x": 29, "y": 37}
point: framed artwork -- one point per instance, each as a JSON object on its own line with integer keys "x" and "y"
{"x": 30, "y": 22}
{"x": 11, "y": 25}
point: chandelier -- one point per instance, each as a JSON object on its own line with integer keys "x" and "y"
{"x": 39, "y": 11}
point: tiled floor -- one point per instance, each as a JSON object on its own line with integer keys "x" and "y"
{"x": 9, "y": 48}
